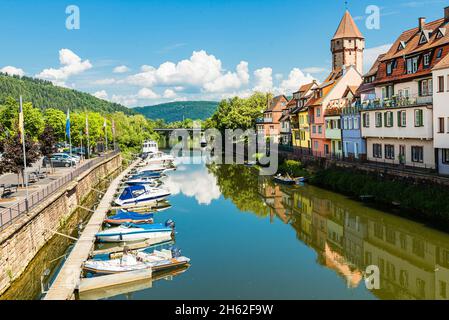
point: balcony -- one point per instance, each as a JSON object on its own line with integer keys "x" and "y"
{"x": 396, "y": 102}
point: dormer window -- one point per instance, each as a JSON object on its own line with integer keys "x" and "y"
{"x": 441, "y": 33}
{"x": 425, "y": 35}
{"x": 389, "y": 68}
{"x": 439, "y": 53}
{"x": 401, "y": 46}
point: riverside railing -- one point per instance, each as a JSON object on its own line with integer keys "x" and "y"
{"x": 8, "y": 215}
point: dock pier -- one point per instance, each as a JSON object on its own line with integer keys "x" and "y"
{"x": 68, "y": 278}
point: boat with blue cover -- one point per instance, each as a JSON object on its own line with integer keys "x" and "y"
{"x": 135, "y": 195}
{"x": 124, "y": 216}
{"x": 136, "y": 232}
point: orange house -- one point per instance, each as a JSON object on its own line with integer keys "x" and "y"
{"x": 272, "y": 116}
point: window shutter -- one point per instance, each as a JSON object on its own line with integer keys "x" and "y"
{"x": 399, "y": 119}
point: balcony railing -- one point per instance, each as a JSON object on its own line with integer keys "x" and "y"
{"x": 395, "y": 102}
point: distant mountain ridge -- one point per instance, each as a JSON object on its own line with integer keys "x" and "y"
{"x": 177, "y": 111}
{"x": 43, "y": 94}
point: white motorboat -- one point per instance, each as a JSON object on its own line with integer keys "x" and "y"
{"x": 150, "y": 181}
{"x": 158, "y": 260}
{"x": 129, "y": 232}
{"x": 160, "y": 158}
{"x": 140, "y": 194}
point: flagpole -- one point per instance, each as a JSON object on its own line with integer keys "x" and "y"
{"x": 25, "y": 179}
{"x": 106, "y": 134}
{"x": 87, "y": 134}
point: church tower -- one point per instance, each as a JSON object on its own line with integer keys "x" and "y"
{"x": 347, "y": 45}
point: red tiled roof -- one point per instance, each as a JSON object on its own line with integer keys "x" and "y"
{"x": 443, "y": 64}
{"x": 347, "y": 28}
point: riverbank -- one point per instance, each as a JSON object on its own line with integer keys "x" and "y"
{"x": 409, "y": 197}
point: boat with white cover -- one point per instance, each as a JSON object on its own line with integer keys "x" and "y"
{"x": 135, "y": 232}
{"x": 140, "y": 195}
{"x": 158, "y": 260}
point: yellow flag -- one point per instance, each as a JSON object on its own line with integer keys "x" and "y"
{"x": 21, "y": 125}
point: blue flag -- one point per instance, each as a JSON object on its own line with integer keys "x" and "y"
{"x": 67, "y": 124}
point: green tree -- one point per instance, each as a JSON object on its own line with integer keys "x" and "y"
{"x": 56, "y": 120}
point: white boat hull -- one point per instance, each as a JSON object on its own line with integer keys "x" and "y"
{"x": 132, "y": 237}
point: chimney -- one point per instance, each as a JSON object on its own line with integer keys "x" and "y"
{"x": 422, "y": 22}
{"x": 446, "y": 14}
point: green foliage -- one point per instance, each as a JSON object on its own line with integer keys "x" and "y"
{"x": 43, "y": 94}
{"x": 427, "y": 201}
{"x": 56, "y": 120}
{"x": 177, "y": 111}
{"x": 293, "y": 168}
{"x": 238, "y": 113}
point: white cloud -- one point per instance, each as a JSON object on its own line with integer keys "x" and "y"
{"x": 169, "y": 94}
{"x": 121, "y": 69}
{"x": 202, "y": 71}
{"x": 230, "y": 80}
{"x": 101, "y": 95}
{"x": 13, "y": 71}
{"x": 371, "y": 54}
{"x": 127, "y": 100}
{"x": 71, "y": 64}
{"x": 296, "y": 78}
{"x": 264, "y": 80}
{"x": 147, "y": 94}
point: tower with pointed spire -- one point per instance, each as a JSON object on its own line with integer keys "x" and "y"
{"x": 347, "y": 45}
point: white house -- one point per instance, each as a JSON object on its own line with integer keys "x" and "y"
{"x": 441, "y": 114}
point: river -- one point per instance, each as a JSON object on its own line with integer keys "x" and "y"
{"x": 249, "y": 238}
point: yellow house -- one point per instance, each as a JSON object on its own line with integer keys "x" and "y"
{"x": 299, "y": 118}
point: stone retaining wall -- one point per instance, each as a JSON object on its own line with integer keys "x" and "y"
{"x": 20, "y": 242}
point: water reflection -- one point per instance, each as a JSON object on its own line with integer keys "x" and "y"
{"x": 347, "y": 236}
{"x": 194, "y": 183}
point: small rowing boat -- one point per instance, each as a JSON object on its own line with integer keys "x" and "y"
{"x": 158, "y": 260}
{"x": 135, "y": 232}
{"x": 287, "y": 180}
{"x": 123, "y": 216}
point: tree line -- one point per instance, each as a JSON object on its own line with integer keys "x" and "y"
{"x": 44, "y": 128}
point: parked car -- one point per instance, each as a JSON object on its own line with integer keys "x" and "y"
{"x": 58, "y": 161}
{"x": 67, "y": 156}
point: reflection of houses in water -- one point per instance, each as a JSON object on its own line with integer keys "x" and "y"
{"x": 278, "y": 202}
{"x": 413, "y": 260}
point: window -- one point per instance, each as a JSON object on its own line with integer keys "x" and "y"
{"x": 389, "y": 151}
{"x": 389, "y": 68}
{"x": 318, "y": 112}
{"x": 313, "y": 129}
{"x": 366, "y": 120}
{"x": 441, "y": 84}
{"x": 418, "y": 154}
{"x": 412, "y": 65}
{"x": 356, "y": 123}
{"x": 402, "y": 118}
{"x": 378, "y": 119}
{"x": 426, "y": 60}
{"x": 440, "y": 125}
{"x": 351, "y": 123}
{"x": 389, "y": 119}
{"x": 419, "y": 118}
{"x": 377, "y": 150}
{"x": 315, "y": 145}
{"x": 426, "y": 87}
{"x": 387, "y": 92}
{"x": 443, "y": 290}
{"x": 423, "y": 38}
{"x": 440, "y": 53}
{"x": 320, "y": 129}
{"x": 345, "y": 123}
{"x": 445, "y": 156}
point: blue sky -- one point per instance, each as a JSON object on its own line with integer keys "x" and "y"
{"x": 239, "y": 45}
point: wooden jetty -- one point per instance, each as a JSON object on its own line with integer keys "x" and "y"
{"x": 69, "y": 276}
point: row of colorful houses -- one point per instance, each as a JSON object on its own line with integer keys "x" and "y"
{"x": 396, "y": 113}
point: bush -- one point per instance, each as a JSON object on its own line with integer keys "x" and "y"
{"x": 292, "y": 168}
{"x": 425, "y": 201}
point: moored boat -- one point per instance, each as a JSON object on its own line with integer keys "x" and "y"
{"x": 157, "y": 261}
{"x": 123, "y": 216}
{"x": 140, "y": 195}
{"x": 135, "y": 232}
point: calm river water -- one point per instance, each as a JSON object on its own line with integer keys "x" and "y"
{"x": 251, "y": 239}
